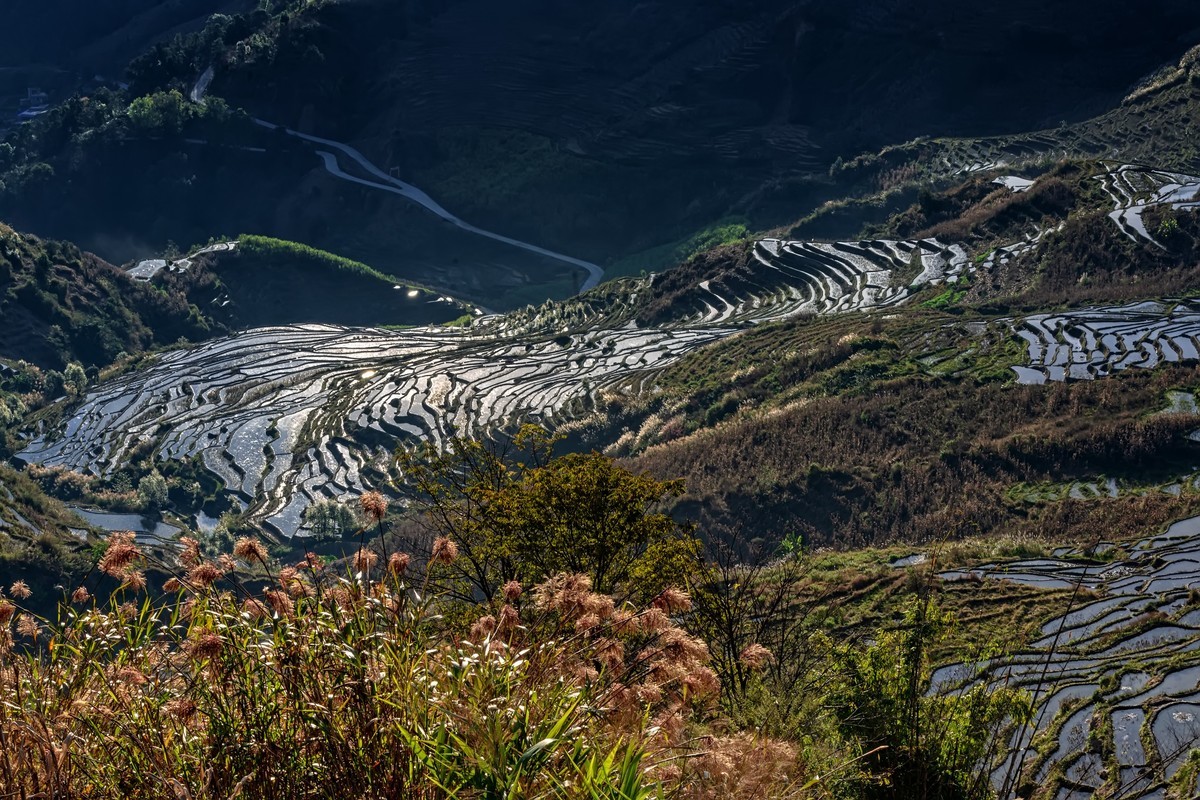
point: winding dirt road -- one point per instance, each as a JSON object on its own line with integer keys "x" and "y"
{"x": 387, "y": 183}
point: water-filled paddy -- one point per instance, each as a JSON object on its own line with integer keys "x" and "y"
{"x": 1130, "y": 655}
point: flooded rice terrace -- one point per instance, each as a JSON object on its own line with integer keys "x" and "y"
{"x": 1115, "y": 681}
{"x": 287, "y": 416}
{"x": 1095, "y": 342}
{"x": 291, "y": 415}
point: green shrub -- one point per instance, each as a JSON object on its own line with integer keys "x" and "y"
{"x": 917, "y": 744}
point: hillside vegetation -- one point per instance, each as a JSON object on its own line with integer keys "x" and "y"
{"x": 62, "y": 305}
{"x": 41, "y": 542}
{"x": 276, "y": 680}
{"x": 736, "y": 113}
{"x": 855, "y": 432}
{"x": 266, "y": 281}
{"x": 100, "y": 36}
{"x": 870, "y": 472}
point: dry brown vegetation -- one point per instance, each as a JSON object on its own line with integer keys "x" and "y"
{"x": 252, "y": 678}
{"x": 919, "y": 458}
{"x": 1004, "y": 212}
{"x": 672, "y": 294}
{"x": 979, "y": 209}
{"x": 1090, "y": 262}
{"x": 356, "y": 680}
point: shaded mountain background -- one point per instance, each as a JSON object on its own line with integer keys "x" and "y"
{"x": 613, "y": 132}
{"x": 606, "y": 128}
{"x": 99, "y": 36}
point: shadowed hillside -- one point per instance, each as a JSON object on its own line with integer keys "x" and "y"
{"x": 101, "y": 35}
{"x": 607, "y": 132}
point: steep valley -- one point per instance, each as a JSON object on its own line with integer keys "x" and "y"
{"x": 885, "y": 318}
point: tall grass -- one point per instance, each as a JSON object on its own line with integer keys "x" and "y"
{"x": 248, "y": 678}
{"x": 307, "y": 681}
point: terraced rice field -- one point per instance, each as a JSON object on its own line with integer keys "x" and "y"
{"x": 827, "y": 278}
{"x": 948, "y": 157}
{"x": 147, "y": 531}
{"x": 1094, "y": 342}
{"x": 1120, "y": 134}
{"x": 1115, "y": 681}
{"x": 287, "y": 416}
{"x": 785, "y": 279}
{"x": 18, "y": 520}
{"x": 145, "y": 270}
{"x": 1014, "y": 183}
{"x": 1134, "y": 189}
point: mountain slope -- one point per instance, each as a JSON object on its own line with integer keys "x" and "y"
{"x": 604, "y": 132}
{"x": 829, "y": 389}
{"x": 60, "y": 304}
{"x": 100, "y": 36}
